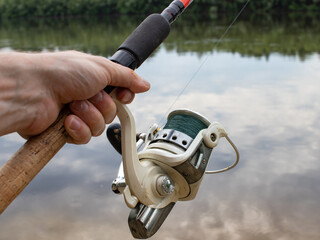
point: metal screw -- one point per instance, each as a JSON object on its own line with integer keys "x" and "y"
{"x": 165, "y": 186}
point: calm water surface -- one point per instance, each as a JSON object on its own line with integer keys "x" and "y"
{"x": 262, "y": 83}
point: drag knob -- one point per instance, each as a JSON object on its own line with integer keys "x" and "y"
{"x": 114, "y": 136}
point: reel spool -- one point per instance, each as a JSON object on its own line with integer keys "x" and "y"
{"x": 169, "y": 168}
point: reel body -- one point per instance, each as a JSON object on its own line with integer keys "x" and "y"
{"x": 169, "y": 168}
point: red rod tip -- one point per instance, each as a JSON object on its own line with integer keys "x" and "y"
{"x": 186, "y": 2}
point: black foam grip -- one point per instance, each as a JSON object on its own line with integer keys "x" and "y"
{"x": 146, "y": 37}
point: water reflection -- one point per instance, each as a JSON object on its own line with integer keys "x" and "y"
{"x": 269, "y": 105}
{"x": 252, "y": 35}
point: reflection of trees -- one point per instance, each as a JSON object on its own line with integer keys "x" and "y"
{"x": 98, "y": 36}
{"x": 254, "y": 35}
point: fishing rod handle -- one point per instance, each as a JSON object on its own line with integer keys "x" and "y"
{"x": 28, "y": 161}
{"x": 142, "y": 41}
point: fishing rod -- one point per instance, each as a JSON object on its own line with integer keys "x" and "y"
{"x": 173, "y": 160}
{"x": 27, "y": 162}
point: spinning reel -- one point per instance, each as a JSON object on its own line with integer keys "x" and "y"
{"x": 169, "y": 168}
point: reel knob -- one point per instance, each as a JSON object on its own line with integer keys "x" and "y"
{"x": 165, "y": 185}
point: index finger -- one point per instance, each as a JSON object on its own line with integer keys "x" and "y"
{"x": 120, "y": 76}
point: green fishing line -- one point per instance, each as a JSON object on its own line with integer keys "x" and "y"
{"x": 187, "y": 124}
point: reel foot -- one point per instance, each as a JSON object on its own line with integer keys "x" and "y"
{"x": 145, "y": 221}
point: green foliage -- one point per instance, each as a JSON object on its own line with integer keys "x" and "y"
{"x": 146, "y": 6}
{"x": 23, "y": 8}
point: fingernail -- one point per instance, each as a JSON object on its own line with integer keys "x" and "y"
{"x": 80, "y": 106}
{"x": 146, "y": 83}
{"x": 75, "y": 124}
{"x": 97, "y": 98}
{"x": 127, "y": 97}
{"x": 100, "y": 131}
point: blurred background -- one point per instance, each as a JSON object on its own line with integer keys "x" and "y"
{"x": 262, "y": 82}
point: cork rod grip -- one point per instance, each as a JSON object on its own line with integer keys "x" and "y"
{"x": 28, "y": 161}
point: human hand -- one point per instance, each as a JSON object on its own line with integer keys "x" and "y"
{"x": 34, "y": 88}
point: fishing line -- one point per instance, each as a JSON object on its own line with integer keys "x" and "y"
{"x": 204, "y": 61}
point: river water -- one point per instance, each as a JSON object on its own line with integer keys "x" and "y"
{"x": 262, "y": 82}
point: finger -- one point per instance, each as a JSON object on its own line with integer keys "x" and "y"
{"x": 106, "y": 106}
{"x": 125, "y": 77}
{"x": 78, "y": 131}
{"x": 25, "y": 136}
{"x": 124, "y": 95}
{"x": 90, "y": 115}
